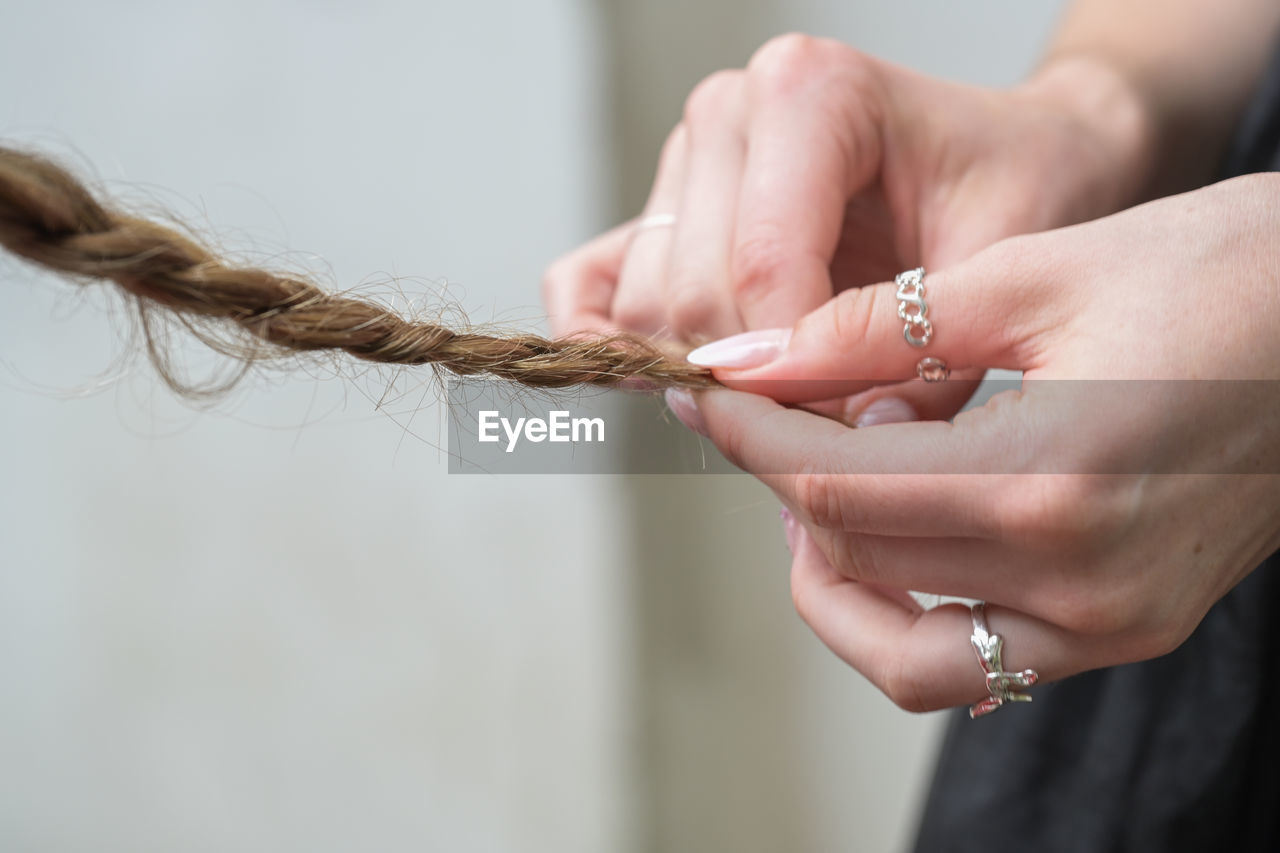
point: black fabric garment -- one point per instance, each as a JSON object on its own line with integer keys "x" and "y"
{"x": 1256, "y": 146}
{"x": 1175, "y": 754}
{"x": 1178, "y": 755}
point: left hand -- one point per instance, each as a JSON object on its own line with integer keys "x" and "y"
{"x": 1101, "y": 510}
{"x": 818, "y": 168}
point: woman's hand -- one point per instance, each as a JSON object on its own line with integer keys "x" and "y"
{"x": 1101, "y": 509}
{"x": 819, "y": 168}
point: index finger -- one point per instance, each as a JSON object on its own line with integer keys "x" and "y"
{"x": 890, "y": 480}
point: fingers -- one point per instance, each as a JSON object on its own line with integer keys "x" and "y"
{"x": 637, "y": 303}
{"x": 756, "y": 180}
{"x": 922, "y": 659}
{"x": 905, "y": 401}
{"x": 884, "y": 481}
{"x": 914, "y": 554}
{"x": 698, "y": 298}
{"x": 955, "y": 566}
{"x": 578, "y": 288}
{"x": 807, "y": 158}
{"x": 990, "y": 311}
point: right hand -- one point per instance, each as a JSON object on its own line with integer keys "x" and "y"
{"x": 1101, "y": 508}
{"x": 818, "y": 169}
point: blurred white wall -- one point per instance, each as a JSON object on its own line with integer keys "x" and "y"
{"x": 277, "y": 624}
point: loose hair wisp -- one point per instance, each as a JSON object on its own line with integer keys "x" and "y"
{"x": 51, "y": 218}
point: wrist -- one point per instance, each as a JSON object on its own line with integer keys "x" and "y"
{"x": 1113, "y": 128}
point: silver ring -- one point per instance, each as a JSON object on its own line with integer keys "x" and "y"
{"x": 654, "y": 220}
{"x": 917, "y": 328}
{"x": 932, "y": 369}
{"x": 1000, "y": 684}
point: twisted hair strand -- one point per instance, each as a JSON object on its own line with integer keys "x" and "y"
{"x": 52, "y": 219}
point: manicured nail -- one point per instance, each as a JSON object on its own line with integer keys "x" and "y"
{"x": 886, "y": 410}
{"x": 682, "y": 405}
{"x": 749, "y": 349}
{"x": 789, "y": 528}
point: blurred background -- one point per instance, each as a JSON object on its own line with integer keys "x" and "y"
{"x": 276, "y": 623}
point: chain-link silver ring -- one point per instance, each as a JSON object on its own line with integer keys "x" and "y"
{"x": 917, "y": 328}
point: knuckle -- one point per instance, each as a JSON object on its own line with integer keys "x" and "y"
{"x": 635, "y": 314}
{"x": 692, "y": 311}
{"x": 818, "y": 495}
{"x": 795, "y": 60}
{"x": 1060, "y": 513}
{"x": 856, "y": 558}
{"x": 556, "y": 277}
{"x": 852, "y": 316}
{"x": 730, "y": 437}
{"x": 757, "y": 262}
{"x": 712, "y": 98}
{"x": 791, "y": 56}
{"x": 568, "y": 267}
{"x": 1093, "y": 612}
{"x": 902, "y": 683}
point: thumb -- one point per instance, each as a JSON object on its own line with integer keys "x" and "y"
{"x": 982, "y": 313}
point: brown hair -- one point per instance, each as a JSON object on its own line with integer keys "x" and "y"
{"x": 49, "y": 217}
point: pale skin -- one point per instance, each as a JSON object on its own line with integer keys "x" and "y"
{"x": 802, "y": 184}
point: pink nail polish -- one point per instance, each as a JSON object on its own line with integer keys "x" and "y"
{"x": 682, "y": 405}
{"x": 789, "y": 528}
{"x": 749, "y": 349}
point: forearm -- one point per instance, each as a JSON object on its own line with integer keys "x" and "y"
{"x": 1188, "y": 65}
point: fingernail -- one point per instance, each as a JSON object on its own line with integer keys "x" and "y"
{"x": 886, "y": 410}
{"x": 789, "y": 528}
{"x": 749, "y": 349}
{"x": 682, "y": 405}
